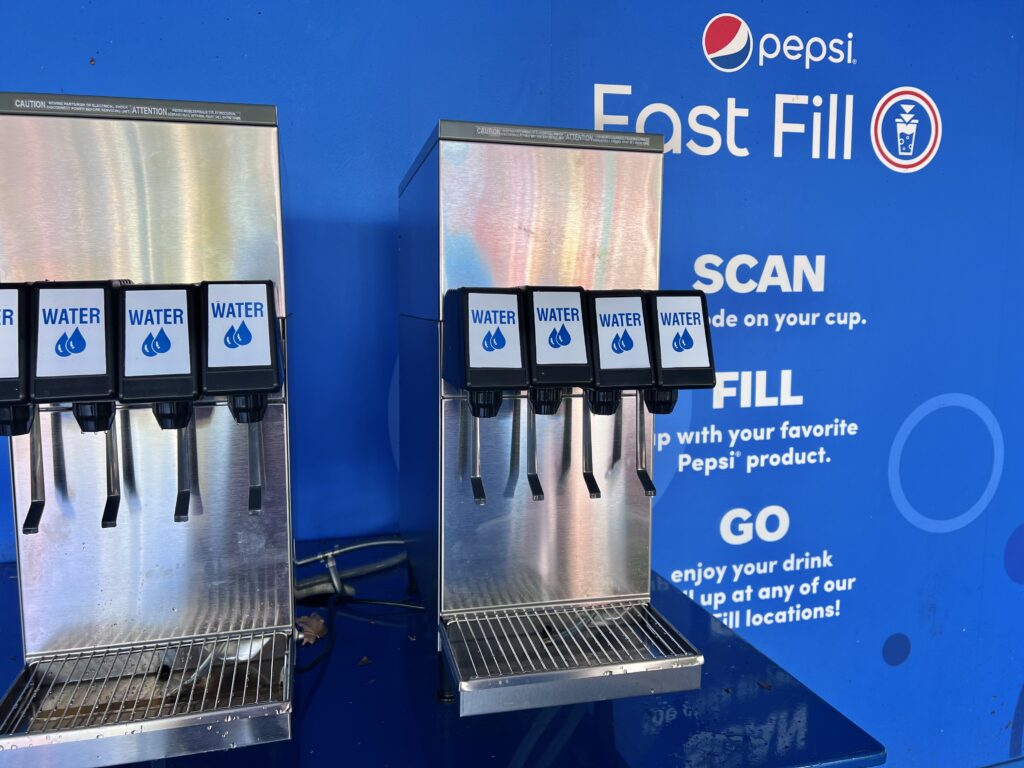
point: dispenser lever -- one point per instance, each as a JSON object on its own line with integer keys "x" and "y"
{"x": 36, "y": 480}
{"x": 531, "y": 454}
{"x": 184, "y": 498}
{"x": 113, "y": 479}
{"x": 257, "y": 470}
{"x": 588, "y": 454}
{"x": 474, "y": 462}
{"x": 641, "y": 448}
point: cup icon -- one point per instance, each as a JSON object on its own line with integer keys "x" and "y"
{"x": 906, "y": 131}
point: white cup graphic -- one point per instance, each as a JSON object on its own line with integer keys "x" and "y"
{"x": 906, "y": 131}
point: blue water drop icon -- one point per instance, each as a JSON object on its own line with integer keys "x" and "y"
{"x": 488, "y": 342}
{"x": 563, "y": 336}
{"x": 161, "y": 342}
{"x": 76, "y": 342}
{"x": 229, "y": 338}
{"x": 683, "y": 342}
{"x": 553, "y": 341}
{"x": 627, "y": 341}
{"x": 617, "y": 345}
{"x": 61, "y": 347}
{"x": 497, "y": 339}
{"x": 147, "y": 346}
{"x": 243, "y": 335}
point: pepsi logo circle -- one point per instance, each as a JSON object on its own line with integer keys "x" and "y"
{"x": 727, "y": 42}
{"x": 906, "y": 129}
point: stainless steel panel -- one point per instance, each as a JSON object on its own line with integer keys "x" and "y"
{"x": 563, "y": 654}
{"x": 152, "y": 202}
{"x": 150, "y": 577}
{"x": 523, "y": 215}
{"x": 514, "y": 550}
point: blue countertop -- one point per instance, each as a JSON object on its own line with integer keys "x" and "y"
{"x": 372, "y": 702}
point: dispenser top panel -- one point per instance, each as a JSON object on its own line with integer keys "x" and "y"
{"x": 170, "y": 192}
{"x": 506, "y": 205}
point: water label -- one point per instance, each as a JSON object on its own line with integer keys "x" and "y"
{"x": 492, "y": 331}
{"x": 9, "y": 358}
{"x": 621, "y": 334}
{"x": 238, "y": 325}
{"x": 683, "y": 337}
{"x": 558, "y": 325}
{"x": 72, "y": 338}
{"x": 156, "y": 341}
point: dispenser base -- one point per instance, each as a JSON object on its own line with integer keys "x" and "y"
{"x": 149, "y": 701}
{"x": 543, "y": 656}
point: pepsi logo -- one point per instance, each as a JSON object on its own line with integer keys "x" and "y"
{"x": 906, "y": 129}
{"x": 728, "y": 42}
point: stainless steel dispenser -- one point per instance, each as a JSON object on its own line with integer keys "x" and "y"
{"x": 168, "y": 632}
{"x": 540, "y": 584}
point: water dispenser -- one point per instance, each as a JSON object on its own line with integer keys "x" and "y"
{"x": 156, "y": 611}
{"x": 559, "y": 361}
{"x": 158, "y": 365}
{"x": 681, "y": 346}
{"x": 483, "y": 356}
{"x": 240, "y": 361}
{"x": 541, "y": 594}
{"x": 72, "y": 353}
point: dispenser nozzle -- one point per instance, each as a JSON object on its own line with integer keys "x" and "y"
{"x": 257, "y": 470}
{"x": 248, "y": 408}
{"x": 531, "y": 454}
{"x": 113, "y": 502}
{"x": 94, "y": 417}
{"x": 37, "y": 481}
{"x": 641, "y": 449}
{"x": 475, "y": 480}
{"x": 588, "y": 453}
{"x": 16, "y": 419}
{"x": 660, "y": 401}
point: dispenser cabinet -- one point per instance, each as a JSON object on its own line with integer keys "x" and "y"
{"x": 149, "y": 464}
{"x": 525, "y": 491}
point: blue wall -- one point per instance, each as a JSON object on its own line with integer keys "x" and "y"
{"x": 917, "y": 507}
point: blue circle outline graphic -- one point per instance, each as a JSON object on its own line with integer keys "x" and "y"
{"x": 928, "y": 407}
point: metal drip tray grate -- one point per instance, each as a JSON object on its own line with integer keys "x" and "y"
{"x": 560, "y": 654}
{"x": 137, "y": 683}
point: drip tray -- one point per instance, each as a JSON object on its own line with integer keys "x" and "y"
{"x": 149, "y": 701}
{"x": 541, "y": 656}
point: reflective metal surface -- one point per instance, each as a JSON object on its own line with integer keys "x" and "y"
{"x": 145, "y": 542}
{"x": 151, "y": 577}
{"x": 515, "y": 550}
{"x": 140, "y": 683}
{"x": 522, "y": 215}
{"x": 563, "y": 654}
{"x": 151, "y": 202}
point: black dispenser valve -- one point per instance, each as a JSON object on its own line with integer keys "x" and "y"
{"x": 483, "y": 355}
{"x": 559, "y": 359}
{"x": 158, "y": 365}
{"x": 241, "y": 360}
{"x": 74, "y": 346}
{"x": 622, "y": 360}
{"x": 681, "y": 341}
